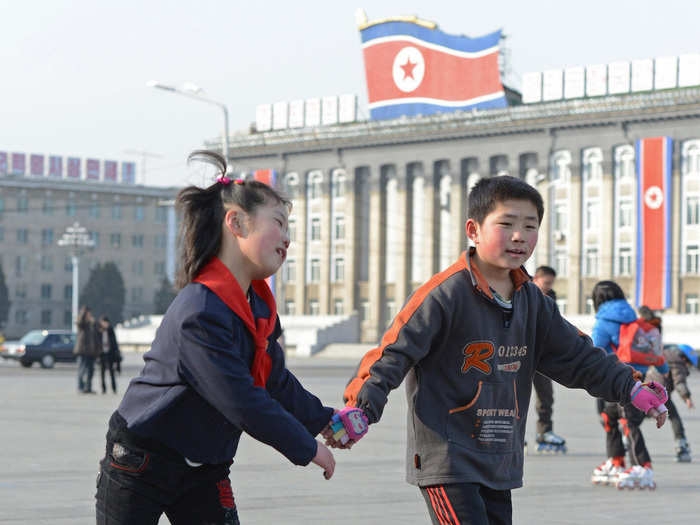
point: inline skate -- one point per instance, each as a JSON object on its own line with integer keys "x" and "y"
{"x": 683, "y": 451}
{"x": 606, "y": 473}
{"x": 636, "y": 477}
{"x": 550, "y": 443}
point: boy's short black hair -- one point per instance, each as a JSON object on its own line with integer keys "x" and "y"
{"x": 488, "y": 192}
{"x": 545, "y": 270}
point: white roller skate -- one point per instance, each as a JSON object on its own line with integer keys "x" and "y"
{"x": 606, "y": 474}
{"x": 550, "y": 443}
{"x": 683, "y": 451}
{"x": 636, "y": 477}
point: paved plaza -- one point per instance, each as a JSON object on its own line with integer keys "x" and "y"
{"x": 51, "y": 439}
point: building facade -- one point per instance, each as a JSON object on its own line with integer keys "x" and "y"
{"x": 380, "y": 206}
{"x": 132, "y": 226}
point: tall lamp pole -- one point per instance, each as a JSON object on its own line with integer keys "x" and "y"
{"x": 75, "y": 238}
{"x": 192, "y": 91}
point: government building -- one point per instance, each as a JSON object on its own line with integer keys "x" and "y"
{"x": 131, "y": 225}
{"x": 380, "y": 206}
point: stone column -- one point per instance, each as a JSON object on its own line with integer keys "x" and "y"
{"x": 458, "y": 206}
{"x": 607, "y": 219}
{"x": 324, "y": 286}
{"x": 574, "y": 280}
{"x": 402, "y": 237}
{"x": 377, "y": 253}
{"x": 301, "y": 214}
{"x": 351, "y": 230}
{"x": 432, "y": 223}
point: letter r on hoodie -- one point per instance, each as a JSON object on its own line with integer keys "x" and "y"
{"x": 476, "y": 355}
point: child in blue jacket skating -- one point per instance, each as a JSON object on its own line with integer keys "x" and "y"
{"x": 612, "y": 311}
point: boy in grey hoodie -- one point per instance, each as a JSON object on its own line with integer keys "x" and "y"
{"x": 469, "y": 342}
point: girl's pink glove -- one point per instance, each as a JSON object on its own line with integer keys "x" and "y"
{"x": 650, "y": 398}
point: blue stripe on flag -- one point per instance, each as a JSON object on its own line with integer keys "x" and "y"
{"x": 435, "y": 36}
{"x": 413, "y": 109}
{"x": 640, "y": 246}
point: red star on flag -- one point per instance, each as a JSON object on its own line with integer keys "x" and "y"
{"x": 408, "y": 68}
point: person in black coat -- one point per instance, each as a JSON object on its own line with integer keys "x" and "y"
{"x": 111, "y": 357}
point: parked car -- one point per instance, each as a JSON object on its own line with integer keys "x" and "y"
{"x": 43, "y": 346}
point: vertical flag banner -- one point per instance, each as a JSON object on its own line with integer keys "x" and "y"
{"x": 73, "y": 168}
{"x": 18, "y": 164}
{"x": 3, "y": 163}
{"x": 55, "y": 166}
{"x": 36, "y": 165}
{"x": 92, "y": 169}
{"x": 110, "y": 171}
{"x": 653, "y": 275}
{"x": 413, "y": 68}
{"x": 269, "y": 177}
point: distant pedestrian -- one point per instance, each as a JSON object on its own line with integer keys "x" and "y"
{"x": 86, "y": 349}
{"x": 111, "y": 357}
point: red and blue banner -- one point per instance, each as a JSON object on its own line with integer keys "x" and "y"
{"x": 3, "y": 163}
{"x": 129, "y": 172}
{"x": 412, "y": 69}
{"x": 92, "y": 169}
{"x": 73, "y": 168}
{"x": 654, "y": 156}
{"x": 55, "y": 166}
{"x": 18, "y": 163}
{"x": 36, "y": 165}
{"x": 110, "y": 170}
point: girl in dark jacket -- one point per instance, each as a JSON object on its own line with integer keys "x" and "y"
{"x": 111, "y": 357}
{"x": 86, "y": 349}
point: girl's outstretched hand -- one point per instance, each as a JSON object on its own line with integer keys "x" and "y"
{"x": 324, "y": 459}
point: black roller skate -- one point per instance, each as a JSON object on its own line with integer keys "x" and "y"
{"x": 550, "y": 443}
{"x": 683, "y": 451}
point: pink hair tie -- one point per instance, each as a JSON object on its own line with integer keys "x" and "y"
{"x": 224, "y": 180}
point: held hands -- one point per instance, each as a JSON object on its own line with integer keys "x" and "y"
{"x": 346, "y": 428}
{"x": 324, "y": 459}
{"x": 650, "y": 398}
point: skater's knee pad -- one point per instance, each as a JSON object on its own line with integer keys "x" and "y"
{"x": 625, "y": 426}
{"x": 605, "y": 421}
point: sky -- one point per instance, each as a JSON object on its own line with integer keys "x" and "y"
{"x": 73, "y": 73}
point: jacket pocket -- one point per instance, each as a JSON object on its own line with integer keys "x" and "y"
{"x": 487, "y": 423}
{"x": 128, "y": 459}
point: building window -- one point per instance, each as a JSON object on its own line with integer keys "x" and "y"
{"x": 314, "y": 191}
{"x": 338, "y": 307}
{"x": 592, "y": 164}
{"x": 22, "y": 236}
{"x": 21, "y": 264}
{"x": 292, "y": 228}
{"x": 692, "y": 206}
{"x": 137, "y": 241}
{"x": 315, "y": 270}
{"x": 68, "y": 264}
{"x": 21, "y": 317}
{"x": 94, "y": 210}
{"x": 291, "y": 185}
{"x": 67, "y": 318}
{"x": 46, "y": 291}
{"x": 139, "y": 213}
{"x": 136, "y": 294}
{"x": 21, "y": 291}
{"x": 560, "y": 217}
{"x": 2, "y": 233}
{"x": 591, "y": 262}
{"x": 625, "y": 215}
{"x": 314, "y": 307}
{"x": 115, "y": 240}
{"x": 339, "y": 228}
{"x": 692, "y": 258}
{"x": 290, "y": 307}
{"x": 46, "y": 263}
{"x": 624, "y": 162}
{"x": 137, "y": 267}
{"x": 46, "y": 318}
{"x": 339, "y": 269}
{"x": 161, "y": 214}
{"x": 95, "y": 238}
{"x": 22, "y": 204}
{"x": 691, "y": 303}
{"x": 67, "y": 292}
{"x": 561, "y": 259}
{"x": 364, "y": 310}
{"x": 289, "y": 271}
{"x": 47, "y": 237}
{"x": 390, "y": 312}
{"x": 116, "y": 211}
{"x": 71, "y": 208}
{"x": 589, "y": 309}
{"x": 624, "y": 261}
{"x": 159, "y": 268}
{"x": 315, "y": 229}
{"x": 338, "y": 184}
{"x": 160, "y": 241}
{"x": 47, "y": 207}
{"x": 561, "y": 304}
{"x": 561, "y": 166}
{"x": 592, "y": 214}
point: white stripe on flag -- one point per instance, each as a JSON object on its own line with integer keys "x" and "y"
{"x": 429, "y": 45}
{"x": 436, "y": 101}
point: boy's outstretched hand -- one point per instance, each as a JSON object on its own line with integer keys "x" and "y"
{"x": 346, "y": 427}
{"x": 650, "y": 398}
{"x": 324, "y": 459}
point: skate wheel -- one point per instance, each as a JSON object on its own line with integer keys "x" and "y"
{"x": 652, "y": 486}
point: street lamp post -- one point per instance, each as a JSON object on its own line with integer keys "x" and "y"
{"x": 75, "y": 238}
{"x": 192, "y": 91}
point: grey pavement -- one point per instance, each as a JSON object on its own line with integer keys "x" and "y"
{"x": 51, "y": 439}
